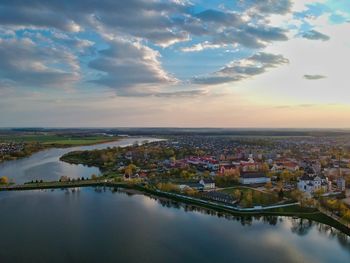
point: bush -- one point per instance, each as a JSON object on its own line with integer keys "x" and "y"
{"x": 4, "y": 180}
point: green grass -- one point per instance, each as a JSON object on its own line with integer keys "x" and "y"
{"x": 56, "y": 140}
{"x": 259, "y": 198}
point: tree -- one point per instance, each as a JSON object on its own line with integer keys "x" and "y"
{"x": 237, "y": 194}
{"x": 318, "y": 193}
{"x": 286, "y": 176}
{"x": 268, "y": 185}
{"x": 346, "y": 216}
{"x": 190, "y": 191}
{"x": 248, "y": 199}
{"x": 64, "y": 178}
{"x": 4, "y": 180}
{"x": 265, "y": 167}
{"x": 129, "y": 170}
{"x": 279, "y": 185}
{"x": 167, "y": 187}
{"x": 280, "y": 194}
{"x": 206, "y": 174}
{"x": 299, "y": 196}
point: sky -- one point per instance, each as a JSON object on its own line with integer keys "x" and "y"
{"x": 175, "y": 63}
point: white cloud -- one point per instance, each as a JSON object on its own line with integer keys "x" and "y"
{"x": 25, "y": 63}
{"x": 126, "y": 65}
{"x": 243, "y": 69}
{"x": 201, "y": 46}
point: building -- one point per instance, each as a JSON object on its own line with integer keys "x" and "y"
{"x": 218, "y": 196}
{"x": 341, "y": 184}
{"x": 195, "y": 186}
{"x": 228, "y": 169}
{"x": 285, "y": 165}
{"x": 253, "y": 178}
{"x": 207, "y": 162}
{"x": 309, "y": 183}
{"x": 207, "y": 183}
{"x": 250, "y": 165}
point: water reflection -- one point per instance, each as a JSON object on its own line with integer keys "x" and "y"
{"x": 103, "y": 224}
{"x": 299, "y": 226}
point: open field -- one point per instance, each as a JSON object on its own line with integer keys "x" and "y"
{"x": 57, "y": 139}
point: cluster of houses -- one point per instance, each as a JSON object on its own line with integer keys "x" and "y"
{"x": 252, "y": 163}
{"x": 8, "y": 148}
{"x": 250, "y": 172}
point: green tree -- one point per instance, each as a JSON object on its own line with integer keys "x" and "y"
{"x": 4, "y": 180}
{"x": 346, "y": 216}
{"x": 237, "y": 194}
{"x": 248, "y": 199}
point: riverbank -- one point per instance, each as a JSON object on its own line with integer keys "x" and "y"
{"x": 36, "y": 144}
{"x": 292, "y": 210}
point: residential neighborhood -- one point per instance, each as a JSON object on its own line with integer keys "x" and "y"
{"x": 242, "y": 172}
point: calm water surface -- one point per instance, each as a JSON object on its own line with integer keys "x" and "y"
{"x": 101, "y": 225}
{"x": 46, "y": 165}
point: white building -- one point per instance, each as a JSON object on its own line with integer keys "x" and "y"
{"x": 280, "y": 166}
{"x": 253, "y": 178}
{"x": 207, "y": 183}
{"x": 310, "y": 183}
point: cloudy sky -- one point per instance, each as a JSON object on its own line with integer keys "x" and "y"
{"x": 175, "y": 63}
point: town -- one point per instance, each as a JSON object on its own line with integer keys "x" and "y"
{"x": 251, "y": 173}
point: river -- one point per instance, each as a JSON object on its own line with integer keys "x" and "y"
{"x": 103, "y": 225}
{"x": 45, "y": 165}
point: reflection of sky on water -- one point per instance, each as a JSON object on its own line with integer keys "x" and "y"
{"x": 96, "y": 225}
{"x": 46, "y": 165}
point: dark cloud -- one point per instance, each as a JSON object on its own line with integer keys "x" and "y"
{"x": 228, "y": 28}
{"x": 139, "y": 18}
{"x": 23, "y": 62}
{"x": 314, "y": 77}
{"x": 220, "y": 17}
{"x": 315, "y": 35}
{"x": 162, "y": 22}
{"x": 269, "y": 6}
{"x": 243, "y": 69}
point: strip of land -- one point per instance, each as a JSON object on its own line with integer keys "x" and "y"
{"x": 13, "y": 147}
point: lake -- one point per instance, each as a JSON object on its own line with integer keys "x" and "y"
{"x": 45, "y": 165}
{"x": 104, "y": 225}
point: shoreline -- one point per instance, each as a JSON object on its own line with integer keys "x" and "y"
{"x": 315, "y": 215}
{"x": 48, "y": 146}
